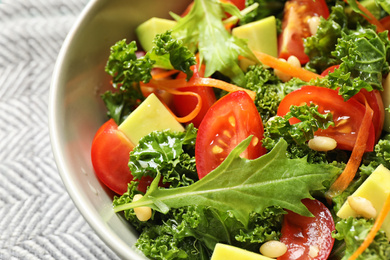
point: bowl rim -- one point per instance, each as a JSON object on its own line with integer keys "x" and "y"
{"x": 81, "y": 202}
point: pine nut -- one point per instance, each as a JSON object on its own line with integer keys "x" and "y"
{"x": 362, "y": 206}
{"x": 273, "y": 249}
{"x": 322, "y": 143}
{"x": 313, "y": 251}
{"x": 142, "y": 213}
{"x": 313, "y": 22}
{"x": 292, "y": 60}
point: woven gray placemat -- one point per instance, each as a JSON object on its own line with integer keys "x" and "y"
{"x": 37, "y": 217}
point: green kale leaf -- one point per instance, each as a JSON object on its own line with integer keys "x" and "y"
{"x": 363, "y": 53}
{"x": 266, "y": 8}
{"x": 252, "y": 190}
{"x": 121, "y": 103}
{"x": 297, "y": 135}
{"x": 319, "y": 47}
{"x": 269, "y": 89}
{"x": 353, "y": 231}
{"x": 166, "y": 152}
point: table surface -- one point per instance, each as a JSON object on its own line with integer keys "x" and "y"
{"x": 38, "y": 220}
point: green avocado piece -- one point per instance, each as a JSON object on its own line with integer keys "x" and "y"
{"x": 151, "y": 115}
{"x": 149, "y": 29}
{"x": 261, "y": 35}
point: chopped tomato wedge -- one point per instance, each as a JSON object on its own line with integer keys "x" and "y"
{"x": 228, "y": 122}
{"x": 295, "y": 26}
{"x": 304, "y": 234}
{"x": 347, "y": 116}
{"x": 110, "y": 157}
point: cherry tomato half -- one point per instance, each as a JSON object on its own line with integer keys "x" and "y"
{"x": 110, "y": 156}
{"x": 229, "y": 121}
{"x": 295, "y": 26}
{"x": 374, "y": 100}
{"x": 300, "y": 233}
{"x": 347, "y": 116}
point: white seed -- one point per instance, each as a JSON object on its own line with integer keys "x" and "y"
{"x": 142, "y": 213}
{"x": 281, "y": 75}
{"x": 362, "y": 206}
{"x": 313, "y": 22}
{"x": 294, "y": 61}
{"x": 313, "y": 251}
{"x": 273, "y": 249}
{"x": 322, "y": 143}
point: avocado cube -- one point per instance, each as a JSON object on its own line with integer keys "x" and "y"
{"x": 150, "y": 116}
{"x": 228, "y": 252}
{"x": 375, "y": 188}
{"x": 149, "y": 29}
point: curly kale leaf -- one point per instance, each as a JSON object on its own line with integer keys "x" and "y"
{"x": 166, "y": 152}
{"x": 297, "y": 134}
{"x": 353, "y": 231}
{"x": 266, "y": 8}
{"x": 125, "y": 67}
{"x": 380, "y": 155}
{"x": 320, "y": 46}
{"x": 269, "y": 89}
{"x": 364, "y": 54}
{"x": 121, "y": 103}
{"x": 168, "y": 52}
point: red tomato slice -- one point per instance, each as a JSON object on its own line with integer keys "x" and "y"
{"x": 183, "y": 105}
{"x": 228, "y": 122}
{"x": 347, "y": 116}
{"x": 295, "y": 26}
{"x": 110, "y": 157}
{"x": 374, "y": 100}
{"x": 300, "y": 233}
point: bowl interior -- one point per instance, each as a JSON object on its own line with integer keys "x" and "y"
{"x": 76, "y": 110}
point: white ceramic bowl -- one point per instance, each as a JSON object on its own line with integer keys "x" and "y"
{"x": 76, "y": 110}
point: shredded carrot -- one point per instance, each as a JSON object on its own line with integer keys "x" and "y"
{"x": 345, "y": 178}
{"x": 285, "y": 67}
{"x": 196, "y": 82}
{"x": 374, "y": 230}
{"x": 369, "y": 16}
{"x": 194, "y": 112}
{"x": 164, "y": 74}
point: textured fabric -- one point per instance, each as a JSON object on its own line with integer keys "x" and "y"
{"x": 37, "y": 217}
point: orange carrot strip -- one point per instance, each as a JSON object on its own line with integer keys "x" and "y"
{"x": 285, "y": 67}
{"x": 194, "y": 112}
{"x": 369, "y": 16}
{"x": 375, "y": 228}
{"x": 164, "y": 74}
{"x": 196, "y": 82}
{"x": 343, "y": 181}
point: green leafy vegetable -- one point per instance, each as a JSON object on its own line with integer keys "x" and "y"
{"x": 202, "y": 28}
{"x": 120, "y": 104}
{"x": 166, "y": 152}
{"x": 251, "y": 190}
{"x": 364, "y": 60}
{"x": 297, "y": 134}
{"x": 266, "y": 8}
{"x": 353, "y": 231}
{"x": 270, "y": 90}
